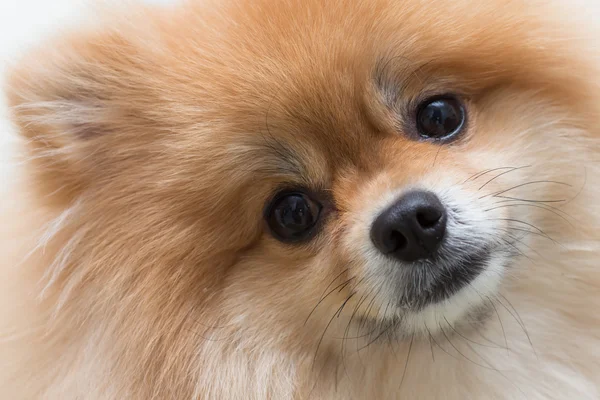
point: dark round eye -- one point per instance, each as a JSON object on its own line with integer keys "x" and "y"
{"x": 440, "y": 118}
{"x": 292, "y": 216}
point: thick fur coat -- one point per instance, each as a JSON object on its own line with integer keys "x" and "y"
{"x": 136, "y": 263}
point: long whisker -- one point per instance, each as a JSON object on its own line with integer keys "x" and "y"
{"x": 519, "y": 241}
{"x": 502, "y": 174}
{"x": 546, "y": 204}
{"x": 325, "y": 331}
{"x": 406, "y": 363}
{"x": 367, "y": 311}
{"x": 524, "y": 184}
{"x": 534, "y": 206}
{"x": 383, "y": 331}
{"x": 389, "y": 340}
{"x": 470, "y": 340}
{"x": 461, "y": 353}
{"x": 370, "y": 305}
{"x": 455, "y": 357}
{"x": 519, "y": 320}
{"x": 509, "y": 199}
{"x": 521, "y": 222}
{"x": 501, "y": 326}
{"x": 585, "y": 178}
{"x": 333, "y": 280}
{"x": 530, "y": 232}
{"x": 431, "y": 347}
{"x": 485, "y": 172}
{"x": 342, "y": 346}
{"x": 373, "y": 331}
{"x": 478, "y": 331}
{"x": 345, "y": 302}
{"x": 518, "y": 251}
{"x": 340, "y": 287}
{"x": 347, "y": 330}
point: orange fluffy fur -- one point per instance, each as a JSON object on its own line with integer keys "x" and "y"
{"x": 135, "y": 259}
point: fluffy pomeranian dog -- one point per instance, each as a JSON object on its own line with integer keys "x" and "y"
{"x": 383, "y": 199}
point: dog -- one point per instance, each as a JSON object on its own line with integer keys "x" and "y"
{"x": 301, "y": 199}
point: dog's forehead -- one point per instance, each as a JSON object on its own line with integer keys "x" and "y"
{"x": 320, "y": 76}
{"x": 313, "y": 61}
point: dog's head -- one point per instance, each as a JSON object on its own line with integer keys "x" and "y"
{"x": 236, "y": 175}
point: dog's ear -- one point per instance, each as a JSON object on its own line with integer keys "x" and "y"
{"x": 70, "y": 101}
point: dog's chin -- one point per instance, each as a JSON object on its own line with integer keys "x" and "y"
{"x": 462, "y": 296}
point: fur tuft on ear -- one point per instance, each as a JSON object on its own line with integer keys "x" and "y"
{"x": 66, "y": 100}
{"x": 62, "y": 90}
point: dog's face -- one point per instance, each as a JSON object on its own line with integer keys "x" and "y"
{"x": 252, "y": 171}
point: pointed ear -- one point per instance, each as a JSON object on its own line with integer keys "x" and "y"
{"x": 67, "y": 100}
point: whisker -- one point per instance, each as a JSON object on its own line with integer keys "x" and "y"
{"x": 461, "y": 354}
{"x": 367, "y": 311}
{"x": 370, "y": 333}
{"x": 520, "y": 222}
{"x": 519, "y": 241}
{"x": 455, "y": 357}
{"x": 585, "y": 178}
{"x": 556, "y": 242}
{"x": 373, "y": 331}
{"x": 478, "y": 331}
{"x": 508, "y": 230}
{"x": 347, "y": 329}
{"x": 344, "y": 336}
{"x": 522, "y": 185}
{"x": 470, "y": 340}
{"x": 406, "y": 363}
{"x": 508, "y": 199}
{"x": 340, "y": 286}
{"x": 502, "y": 174}
{"x": 391, "y": 346}
{"x": 334, "y": 279}
{"x": 325, "y": 331}
{"x": 431, "y": 347}
{"x": 519, "y": 251}
{"x": 317, "y": 380}
{"x": 550, "y": 210}
{"x": 383, "y": 331}
{"x": 546, "y": 203}
{"x": 519, "y": 321}
{"x": 364, "y": 321}
{"x": 501, "y": 326}
{"x": 345, "y": 302}
{"x": 484, "y": 172}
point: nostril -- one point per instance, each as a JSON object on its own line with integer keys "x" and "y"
{"x": 392, "y": 241}
{"x": 428, "y": 218}
{"x": 399, "y": 241}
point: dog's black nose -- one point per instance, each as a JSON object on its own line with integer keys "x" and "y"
{"x": 412, "y": 228}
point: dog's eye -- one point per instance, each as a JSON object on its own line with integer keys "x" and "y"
{"x": 440, "y": 118}
{"x": 292, "y": 216}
